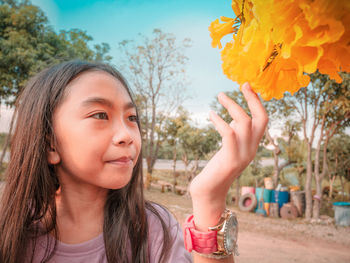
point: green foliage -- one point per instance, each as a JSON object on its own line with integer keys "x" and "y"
{"x": 189, "y": 141}
{"x": 28, "y": 44}
{"x": 170, "y": 131}
{"x": 266, "y": 171}
{"x": 247, "y": 177}
{"x": 295, "y": 151}
{"x": 322, "y": 99}
{"x": 173, "y": 125}
{"x": 289, "y": 177}
{"x": 339, "y": 155}
{"x": 166, "y": 151}
{"x": 101, "y": 52}
{"x": 198, "y": 143}
{"x": 76, "y": 46}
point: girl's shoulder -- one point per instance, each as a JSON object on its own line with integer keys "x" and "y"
{"x": 158, "y": 215}
{"x": 165, "y": 230}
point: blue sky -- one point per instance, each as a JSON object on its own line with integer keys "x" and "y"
{"x": 112, "y": 21}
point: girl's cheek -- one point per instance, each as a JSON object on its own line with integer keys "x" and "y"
{"x": 139, "y": 150}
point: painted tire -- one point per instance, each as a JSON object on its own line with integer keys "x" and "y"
{"x": 289, "y": 211}
{"x": 247, "y": 202}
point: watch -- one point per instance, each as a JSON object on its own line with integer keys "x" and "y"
{"x": 219, "y": 241}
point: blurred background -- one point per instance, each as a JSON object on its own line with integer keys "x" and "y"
{"x": 163, "y": 48}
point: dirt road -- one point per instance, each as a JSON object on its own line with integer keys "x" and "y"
{"x": 270, "y": 240}
{"x": 261, "y": 247}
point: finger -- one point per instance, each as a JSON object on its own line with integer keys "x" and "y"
{"x": 255, "y": 106}
{"x": 259, "y": 115}
{"x": 233, "y": 124}
{"x": 242, "y": 122}
{"x": 235, "y": 111}
{"x": 226, "y": 132}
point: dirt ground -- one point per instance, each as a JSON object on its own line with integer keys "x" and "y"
{"x": 269, "y": 240}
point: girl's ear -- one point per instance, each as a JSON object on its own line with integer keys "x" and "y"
{"x": 53, "y": 157}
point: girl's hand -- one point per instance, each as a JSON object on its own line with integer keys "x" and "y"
{"x": 240, "y": 140}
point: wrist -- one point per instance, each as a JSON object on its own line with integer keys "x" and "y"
{"x": 207, "y": 211}
{"x": 206, "y": 187}
{"x": 208, "y": 192}
{"x": 207, "y": 206}
{"x": 217, "y": 242}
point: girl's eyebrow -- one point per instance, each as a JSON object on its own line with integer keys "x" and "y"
{"x": 104, "y": 102}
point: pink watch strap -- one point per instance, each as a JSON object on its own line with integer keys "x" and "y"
{"x": 202, "y": 242}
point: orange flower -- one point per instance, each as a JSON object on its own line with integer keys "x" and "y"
{"x": 274, "y": 52}
{"x": 242, "y": 58}
{"x": 218, "y": 31}
{"x": 282, "y": 75}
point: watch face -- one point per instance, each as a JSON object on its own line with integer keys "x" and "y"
{"x": 230, "y": 237}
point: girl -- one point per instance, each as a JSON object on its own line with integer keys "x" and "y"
{"x": 74, "y": 188}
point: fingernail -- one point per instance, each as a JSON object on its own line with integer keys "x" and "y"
{"x": 212, "y": 114}
{"x": 246, "y": 86}
{"x": 221, "y": 95}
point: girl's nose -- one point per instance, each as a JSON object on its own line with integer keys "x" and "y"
{"x": 122, "y": 136}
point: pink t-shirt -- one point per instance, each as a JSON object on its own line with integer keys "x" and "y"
{"x": 93, "y": 251}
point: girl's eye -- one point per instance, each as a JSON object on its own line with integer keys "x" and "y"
{"x": 133, "y": 118}
{"x": 100, "y": 116}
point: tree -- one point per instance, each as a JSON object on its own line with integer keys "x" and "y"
{"x": 101, "y": 52}
{"x": 305, "y": 100}
{"x": 334, "y": 116}
{"x": 314, "y": 106}
{"x": 197, "y": 144}
{"x": 28, "y": 44}
{"x": 338, "y": 152}
{"x": 21, "y": 29}
{"x": 296, "y": 153}
{"x": 156, "y": 68}
{"x": 173, "y": 125}
{"x": 76, "y": 46}
{"x": 282, "y": 146}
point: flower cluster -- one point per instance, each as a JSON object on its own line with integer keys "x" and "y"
{"x": 275, "y": 42}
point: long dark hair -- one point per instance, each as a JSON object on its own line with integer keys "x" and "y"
{"x": 29, "y": 195}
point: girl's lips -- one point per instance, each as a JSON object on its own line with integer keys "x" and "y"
{"x": 123, "y": 161}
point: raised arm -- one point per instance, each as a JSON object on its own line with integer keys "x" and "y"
{"x": 240, "y": 140}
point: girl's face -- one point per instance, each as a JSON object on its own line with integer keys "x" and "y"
{"x": 98, "y": 140}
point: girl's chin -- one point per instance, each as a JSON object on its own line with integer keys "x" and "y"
{"x": 119, "y": 184}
